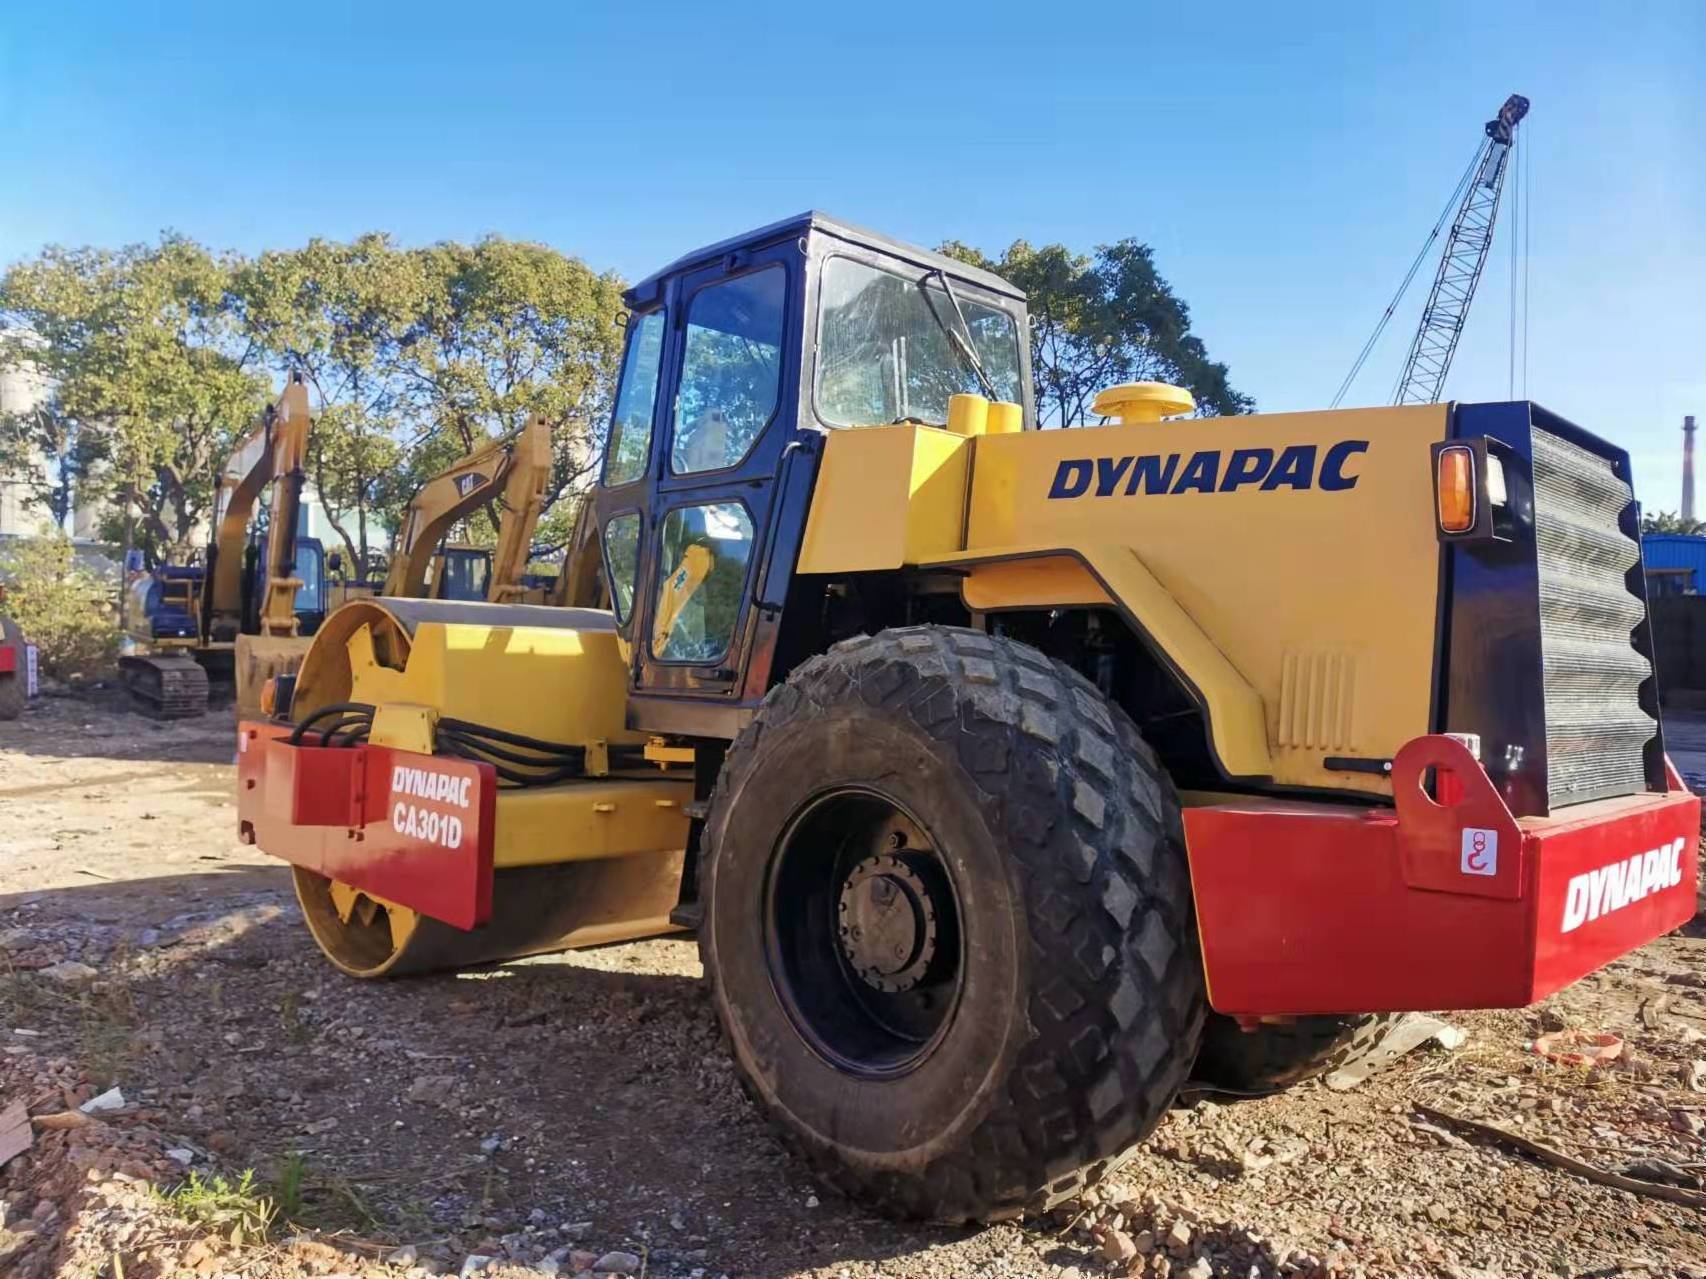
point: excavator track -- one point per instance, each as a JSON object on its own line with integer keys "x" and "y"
{"x": 166, "y": 687}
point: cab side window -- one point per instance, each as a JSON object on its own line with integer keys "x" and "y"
{"x": 704, "y": 550}
{"x": 731, "y": 370}
{"x": 622, "y": 560}
{"x": 636, "y": 396}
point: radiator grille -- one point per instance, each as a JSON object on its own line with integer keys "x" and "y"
{"x": 1596, "y": 730}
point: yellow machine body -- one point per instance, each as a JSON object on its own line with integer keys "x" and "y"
{"x": 267, "y": 460}
{"x": 510, "y": 475}
{"x": 276, "y": 649}
{"x": 611, "y": 845}
{"x": 1235, "y": 546}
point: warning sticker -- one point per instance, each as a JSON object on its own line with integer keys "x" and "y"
{"x": 1480, "y": 851}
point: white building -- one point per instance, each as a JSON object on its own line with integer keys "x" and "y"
{"x": 23, "y": 391}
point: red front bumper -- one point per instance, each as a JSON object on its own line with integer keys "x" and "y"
{"x": 1312, "y": 908}
{"x": 411, "y": 829}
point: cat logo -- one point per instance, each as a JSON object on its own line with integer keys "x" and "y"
{"x": 466, "y": 484}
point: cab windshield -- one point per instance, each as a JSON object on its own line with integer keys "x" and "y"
{"x": 885, "y": 353}
{"x": 464, "y": 573}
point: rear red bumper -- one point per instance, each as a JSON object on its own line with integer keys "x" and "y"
{"x": 412, "y": 829}
{"x": 1312, "y": 908}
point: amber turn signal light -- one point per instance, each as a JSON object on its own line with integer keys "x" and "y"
{"x": 1456, "y": 489}
{"x": 269, "y": 698}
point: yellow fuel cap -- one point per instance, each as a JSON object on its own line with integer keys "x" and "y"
{"x": 1131, "y": 402}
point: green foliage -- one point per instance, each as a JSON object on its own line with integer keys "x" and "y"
{"x": 288, "y": 1188}
{"x": 419, "y": 356}
{"x": 1104, "y": 319}
{"x": 236, "y": 1211}
{"x": 159, "y": 356}
{"x": 152, "y": 380}
{"x": 63, "y": 609}
{"x": 46, "y": 433}
{"x": 1671, "y": 522}
{"x": 336, "y": 312}
{"x": 506, "y": 330}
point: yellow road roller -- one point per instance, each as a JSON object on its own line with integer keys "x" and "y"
{"x": 1006, "y": 775}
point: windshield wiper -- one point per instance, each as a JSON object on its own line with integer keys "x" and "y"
{"x": 961, "y": 342}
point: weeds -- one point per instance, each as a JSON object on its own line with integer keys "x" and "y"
{"x": 288, "y": 1187}
{"x": 320, "y": 1198}
{"x": 236, "y": 1211}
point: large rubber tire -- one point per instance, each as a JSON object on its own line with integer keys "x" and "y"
{"x": 14, "y": 695}
{"x": 1082, "y": 1005}
{"x": 1280, "y": 1054}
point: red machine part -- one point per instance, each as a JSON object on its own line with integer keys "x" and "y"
{"x": 411, "y": 829}
{"x": 1314, "y": 908}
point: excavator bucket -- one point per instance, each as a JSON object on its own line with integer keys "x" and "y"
{"x": 259, "y": 658}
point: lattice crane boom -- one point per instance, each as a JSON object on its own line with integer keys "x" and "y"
{"x": 1461, "y": 264}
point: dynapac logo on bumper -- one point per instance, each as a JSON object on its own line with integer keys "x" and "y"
{"x": 1599, "y": 892}
{"x": 1296, "y": 466}
{"x": 419, "y": 822}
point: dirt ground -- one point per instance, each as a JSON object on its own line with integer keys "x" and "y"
{"x": 577, "y": 1112}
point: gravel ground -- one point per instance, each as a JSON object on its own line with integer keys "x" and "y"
{"x": 577, "y": 1112}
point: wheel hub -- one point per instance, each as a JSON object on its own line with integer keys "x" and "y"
{"x": 887, "y": 924}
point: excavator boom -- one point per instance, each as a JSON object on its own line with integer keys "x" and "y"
{"x": 512, "y": 472}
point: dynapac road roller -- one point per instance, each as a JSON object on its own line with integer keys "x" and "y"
{"x": 1002, "y": 772}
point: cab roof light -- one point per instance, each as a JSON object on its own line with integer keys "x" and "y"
{"x": 1455, "y": 487}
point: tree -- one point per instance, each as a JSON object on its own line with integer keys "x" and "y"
{"x": 1101, "y": 320}
{"x": 152, "y": 381}
{"x": 60, "y": 605}
{"x": 418, "y": 356}
{"x": 160, "y": 356}
{"x": 47, "y": 449}
{"x": 336, "y": 313}
{"x": 508, "y": 329}
{"x": 1671, "y": 522}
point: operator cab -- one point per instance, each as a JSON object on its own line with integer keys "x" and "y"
{"x": 311, "y": 603}
{"x": 740, "y": 357}
{"x": 166, "y": 604}
{"x": 461, "y": 573}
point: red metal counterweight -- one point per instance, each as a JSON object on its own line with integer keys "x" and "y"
{"x": 408, "y": 828}
{"x": 1316, "y": 908}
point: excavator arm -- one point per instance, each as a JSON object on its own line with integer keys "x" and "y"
{"x": 581, "y": 584}
{"x": 272, "y": 452}
{"x": 277, "y": 615}
{"x": 513, "y": 472}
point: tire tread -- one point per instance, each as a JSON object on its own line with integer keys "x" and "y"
{"x": 1093, "y": 824}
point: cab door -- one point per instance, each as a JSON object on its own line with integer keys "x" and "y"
{"x": 682, "y": 547}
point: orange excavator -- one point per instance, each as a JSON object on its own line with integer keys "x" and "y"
{"x": 511, "y": 472}
{"x": 252, "y": 603}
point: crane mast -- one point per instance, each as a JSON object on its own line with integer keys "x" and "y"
{"x": 1461, "y": 264}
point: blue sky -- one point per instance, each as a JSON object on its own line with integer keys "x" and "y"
{"x": 1285, "y": 161}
